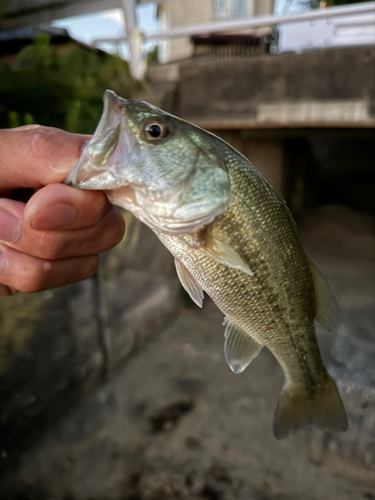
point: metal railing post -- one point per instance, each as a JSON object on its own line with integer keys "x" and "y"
{"x": 134, "y": 39}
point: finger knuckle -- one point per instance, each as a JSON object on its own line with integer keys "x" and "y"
{"x": 35, "y": 279}
{"x": 43, "y": 143}
{"x": 51, "y": 245}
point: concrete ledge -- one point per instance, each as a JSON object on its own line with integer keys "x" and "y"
{"x": 332, "y": 114}
{"x": 326, "y": 88}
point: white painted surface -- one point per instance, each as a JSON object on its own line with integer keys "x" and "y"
{"x": 343, "y": 31}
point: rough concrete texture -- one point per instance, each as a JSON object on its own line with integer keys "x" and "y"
{"x": 235, "y": 89}
{"x": 176, "y": 424}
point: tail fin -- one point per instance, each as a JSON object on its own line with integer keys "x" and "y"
{"x": 296, "y": 409}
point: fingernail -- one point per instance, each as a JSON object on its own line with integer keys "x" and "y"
{"x": 2, "y": 262}
{"x": 56, "y": 216}
{"x": 10, "y": 228}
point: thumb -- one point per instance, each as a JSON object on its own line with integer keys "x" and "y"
{"x": 34, "y": 156}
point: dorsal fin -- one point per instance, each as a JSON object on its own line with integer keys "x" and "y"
{"x": 327, "y": 310}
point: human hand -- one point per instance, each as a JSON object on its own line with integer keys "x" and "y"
{"x": 54, "y": 239}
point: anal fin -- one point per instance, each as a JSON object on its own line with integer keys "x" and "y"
{"x": 239, "y": 348}
{"x": 189, "y": 283}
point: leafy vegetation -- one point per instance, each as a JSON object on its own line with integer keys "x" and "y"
{"x": 59, "y": 88}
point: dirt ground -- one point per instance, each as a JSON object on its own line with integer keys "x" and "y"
{"x": 176, "y": 424}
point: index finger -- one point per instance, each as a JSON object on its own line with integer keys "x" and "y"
{"x": 34, "y": 156}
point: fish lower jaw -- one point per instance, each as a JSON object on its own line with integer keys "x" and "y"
{"x": 126, "y": 198}
{"x": 176, "y": 227}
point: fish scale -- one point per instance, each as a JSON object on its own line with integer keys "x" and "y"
{"x": 232, "y": 236}
{"x": 253, "y": 309}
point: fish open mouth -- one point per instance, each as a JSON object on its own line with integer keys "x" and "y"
{"x": 100, "y": 165}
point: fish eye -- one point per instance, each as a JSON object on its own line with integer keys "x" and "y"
{"x": 155, "y": 130}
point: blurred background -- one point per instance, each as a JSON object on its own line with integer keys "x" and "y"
{"x": 116, "y": 388}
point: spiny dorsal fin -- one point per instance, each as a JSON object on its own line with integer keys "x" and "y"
{"x": 239, "y": 348}
{"x": 189, "y": 283}
{"x": 223, "y": 253}
{"x": 327, "y": 310}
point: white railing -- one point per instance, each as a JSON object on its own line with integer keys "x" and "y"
{"x": 240, "y": 24}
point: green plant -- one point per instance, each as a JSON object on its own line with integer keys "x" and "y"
{"x": 60, "y": 89}
{"x": 153, "y": 55}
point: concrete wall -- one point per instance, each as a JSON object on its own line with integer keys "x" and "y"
{"x": 263, "y": 7}
{"x": 189, "y": 12}
{"x": 334, "y": 87}
{"x": 181, "y": 13}
{"x": 255, "y": 103}
{"x": 266, "y": 153}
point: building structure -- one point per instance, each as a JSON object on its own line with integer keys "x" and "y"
{"x": 181, "y": 13}
{"x": 286, "y": 112}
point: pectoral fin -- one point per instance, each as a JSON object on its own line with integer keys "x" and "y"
{"x": 239, "y": 348}
{"x": 223, "y": 253}
{"x": 327, "y": 310}
{"x": 189, "y": 283}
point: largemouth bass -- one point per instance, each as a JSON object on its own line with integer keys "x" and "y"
{"x": 231, "y": 236}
